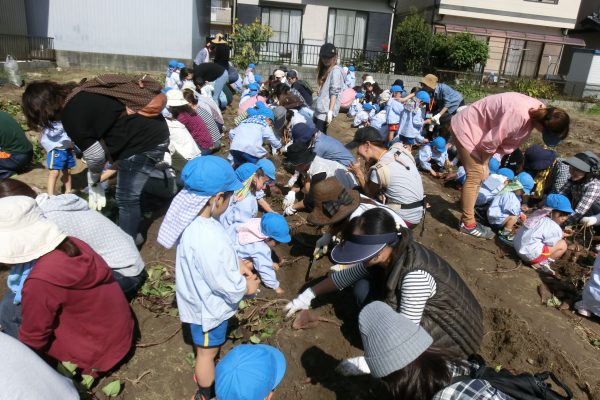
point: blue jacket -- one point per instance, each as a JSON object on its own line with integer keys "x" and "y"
{"x": 447, "y": 97}
{"x": 332, "y": 149}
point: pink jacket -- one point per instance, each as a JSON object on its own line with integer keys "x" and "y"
{"x": 495, "y": 124}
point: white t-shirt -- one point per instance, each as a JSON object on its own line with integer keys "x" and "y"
{"x": 529, "y": 242}
{"x": 332, "y": 169}
{"x": 25, "y": 376}
{"x": 405, "y": 185}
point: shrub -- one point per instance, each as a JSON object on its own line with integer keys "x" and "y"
{"x": 413, "y": 41}
{"x": 465, "y": 51}
{"x": 534, "y": 88}
{"x": 246, "y": 40}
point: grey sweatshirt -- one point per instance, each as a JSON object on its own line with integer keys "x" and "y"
{"x": 333, "y": 85}
{"x": 72, "y": 215}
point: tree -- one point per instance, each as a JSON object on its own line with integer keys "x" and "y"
{"x": 464, "y": 51}
{"x": 413, "y": 39}
{"x": 246, "y": 40}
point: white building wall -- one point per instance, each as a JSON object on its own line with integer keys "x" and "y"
{"x": 130, "y": 27}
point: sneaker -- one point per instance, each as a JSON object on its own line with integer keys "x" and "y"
{"x": 354, "y": 366}
{"x": 478, "y": 231}
{"x": 582, "y": 310}
{"x": 506, "y": 236}
{"x": 545, "y": 267}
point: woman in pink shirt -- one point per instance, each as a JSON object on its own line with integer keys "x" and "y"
{"x": 498, "y": 124}
{"x": 183, "y": 112}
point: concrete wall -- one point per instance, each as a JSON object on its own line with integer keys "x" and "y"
{"x": 132, "y": 27}
{"x": 560, "y": 15}
{"x": 113, "y": 62}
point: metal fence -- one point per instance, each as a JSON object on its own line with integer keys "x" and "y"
{"x": 24, "y": 47}
{"x": 308, "y": 55}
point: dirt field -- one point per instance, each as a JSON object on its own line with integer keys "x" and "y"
{"x": 521, "y": 332}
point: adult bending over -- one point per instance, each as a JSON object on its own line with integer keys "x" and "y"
{"x": 111, "y": 117}
{"x": 73, "y": 310}
{"x": 446, "y": 100}
{"x": 73, "y": 216}
{"x": 416, "y": 282}
{"x": 498, "y": 124}
{"x": 330, "y": 80}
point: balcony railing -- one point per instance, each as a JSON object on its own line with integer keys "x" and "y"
{"x": 220, "y": 15}
{"x": 27, "y": 47}
{"x": 308, "y": 54}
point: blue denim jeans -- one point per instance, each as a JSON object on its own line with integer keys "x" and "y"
{"x": 131, "y": 179}
{"x": 362, "y": 292}
{"x": 240, "y": 157}
{"x": 13, "y": 164}
{"x": 218, "y": 86}
{"x": 11, "y": 315}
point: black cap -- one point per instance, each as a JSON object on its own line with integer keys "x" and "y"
{"x": 298, "y": 154}
{"x": 328, "y": 50}
{"x": 362, "y": 135}
{"x": 292, "y": 73}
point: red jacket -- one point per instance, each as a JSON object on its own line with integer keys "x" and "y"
{"x": 74, "y": 310}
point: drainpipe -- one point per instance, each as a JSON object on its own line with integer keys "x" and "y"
{"x": 392, "y": 25}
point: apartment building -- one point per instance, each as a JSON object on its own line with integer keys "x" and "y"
{"x": 349, "y": 24}
{"x": 526, "y": 38}
{"x": 221, "y": 16}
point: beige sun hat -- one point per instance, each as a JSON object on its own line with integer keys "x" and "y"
{"x": 279, "y": 74}
{"x": 219, "y": 39}
{"x": 175, "y": 98}
{"x": 430, "y": 80}
{"x": 25, "y": 234}
{"x": 369, "y": 79}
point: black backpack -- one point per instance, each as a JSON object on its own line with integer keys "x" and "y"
{"x": 306, "y": 86}
{"x": 523, "y": 386}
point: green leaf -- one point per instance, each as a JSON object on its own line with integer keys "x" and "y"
{"x": 242, "y": 305}
{"x": 190, "y": 358}
{"x": 254, "y": 339}
{"x": 112, "y": 389}
{"x": 67, "y": 368}
{"x": 87, "y": 381}
{"x": 498, "y": 368}
{"x": 269, "y": 313}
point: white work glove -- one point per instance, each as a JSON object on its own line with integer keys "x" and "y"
{"x": 274, "y": 151}
{"x": 329, "y": 117}
{"x": 354, "y": 366}
{"x": 322, "y": 245}
{"x": 302, "y": 302}
{"x": 436, "y": 119}
{"x": 290, "y": 210}
{"x": 293, "y": 179}
{"x": 96, "y": 196}
{"x": 289, "y": 199}
{"x": 589, "y": 221}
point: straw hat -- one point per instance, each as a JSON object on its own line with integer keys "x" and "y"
{"x": 333, "y": 202}
{"x": 25, "y": 234}
{"x": 219, "y": 39}
{"x": 430, "y": 80}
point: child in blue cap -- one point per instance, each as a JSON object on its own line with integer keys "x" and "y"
{"x": 540, "y": 240}
{"x": 211, "y": 280}
{"x": 356, "y": 105}
{"x": 394, "y": 112}
{"x": 492, "y": 185}
{"x": 254, "y": 241}
{"x": 505, "y": 210}
{"x": 362, "y": 117}
{"x": 172, "y": 79}
{"x": 244, "y": 204}
{"x": 433, "y": 157}
{"x": 249, "y": 372}
{"x": 249, "y": 75}
{"x": 411, "y": 120}
{"x": 350, "y": 80}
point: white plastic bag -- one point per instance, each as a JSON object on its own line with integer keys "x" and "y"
{"x": 11, "y": 67}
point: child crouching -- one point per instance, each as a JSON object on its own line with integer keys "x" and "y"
{"x": 433, "y": 158}
{"x": 211, "y": 281}
{"x": 505, "y": 209}
{"x": 540, "y": 240}
{"x": 254, "y": 241}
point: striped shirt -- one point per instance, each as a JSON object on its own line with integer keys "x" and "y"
{"x": 417, "y": 287}
{"x": 215, "y": 134}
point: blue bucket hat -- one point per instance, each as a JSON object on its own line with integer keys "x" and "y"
{"x": 276, "y": 227}
{"x": 172, "y": 63}
{"x": 423, "y": 96}
{"x": 257, "y": 78}
{"x": 526, "y": 181}
{"x": 253, "y": 86}
{"x": 209, "y": 175}
{"x": 249, "y": 372}
{"x": 303, "y": 133}
{"x": 251, "y": 65}
{"x": 267, "y": 167}
{"x": 439, "y": 143}
{"x": 367, "y": 106}
{"x": 351, "y": 68}
{"x": 537, "y": 158}
{"x": 359, "y": 95}
{"x": 396, "y": 89}
{"x": 493, "y": 165}
{"x": 262, "y": 109}
{"x": 377, "y": 108}
{"x": 559, "y": 202}
{"x": 507, "y": 172}
{"x": 245, "y": 171}
{"x": 180, "y": 65}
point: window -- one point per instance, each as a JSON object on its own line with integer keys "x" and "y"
{"x": 522, "y": 58}
{"x": 347, "y": 28}
{"x": 285, "y": 23}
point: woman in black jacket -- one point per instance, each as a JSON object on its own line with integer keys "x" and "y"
{"x": 389, "y": 265}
